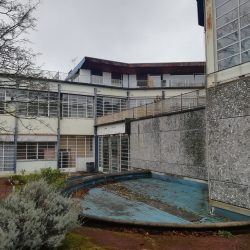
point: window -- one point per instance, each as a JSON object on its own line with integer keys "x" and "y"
{"x": 6, "y": 156}
{"x": 73, "y": 148}
{"x": 36, "y": 151}
{"x": 113, "y": 153}
{"x": 142, "y": 80}
{"x": 233, "y": 32}
{"x": 77, "y": 106}
{"x": 30, "y": 103}
{"x": 110, "y": 105}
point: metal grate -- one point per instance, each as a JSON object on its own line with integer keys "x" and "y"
{"x": 113, "y": 154}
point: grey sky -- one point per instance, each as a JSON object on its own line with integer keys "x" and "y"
{"x": 122, "y": 30}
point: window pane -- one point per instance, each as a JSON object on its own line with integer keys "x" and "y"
{"x": 32, "y": 150}
{"x": 46, "y": 151}
{"x": 245, "y": 8}
{"x": 53, "y": 105}
{"x": 21, "y": 151}
{"x": 232, "y": 4}
{"x": 90, "y": 107}
{"x": 225, "y": 41}
{"x": 227, "y": 29}
{"x": 228, "y": 51}
{"x": 2, "y": 100}
{"x": 245, "y": 20}
{"x": 219, "y": 2}
{"x": 246, "y": 56}
{"x": 65, "y": 105}
{"x": 245, "y": 32}
{"x": 245, "y": 44}
{"x": 232, "y": 15}
{"x": 229, "y": 62}
{"x": 82, "y": 106}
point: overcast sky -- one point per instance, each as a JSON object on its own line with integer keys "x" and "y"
{"x": 122, "y": 30}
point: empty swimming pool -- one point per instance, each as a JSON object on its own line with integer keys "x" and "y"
{"x": 154, "y": 199}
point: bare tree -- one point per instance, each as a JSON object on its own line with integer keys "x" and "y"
{"x": 21, "y": 81}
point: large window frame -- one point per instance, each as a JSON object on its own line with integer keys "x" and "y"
{"x": 108, "y": 105}
{"x": 29, "y": 103}
{"x": 77, "y": 106}
{"x": 232, "y": 34}
{"x": 36, "y": 151}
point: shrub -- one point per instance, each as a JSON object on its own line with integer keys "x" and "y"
{"x": 52, "y": 176}
{"x": 37, "y": 217}
{"x": 225, "y": 234}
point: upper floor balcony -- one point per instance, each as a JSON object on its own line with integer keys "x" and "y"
{"x": 129, "y": 81}
{"x": 190, "y": 100}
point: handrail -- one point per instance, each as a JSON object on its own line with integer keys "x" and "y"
{"x": 190, "y": 100}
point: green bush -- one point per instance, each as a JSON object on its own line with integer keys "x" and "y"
{"x": 52, "y": 176}
{"x": 37, "y": 217}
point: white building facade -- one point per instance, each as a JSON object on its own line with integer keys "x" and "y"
{"x": 56, "y": 128}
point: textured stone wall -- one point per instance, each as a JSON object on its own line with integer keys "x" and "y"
{"x": 173, "y": 144}
{"x": 228, "y": 142}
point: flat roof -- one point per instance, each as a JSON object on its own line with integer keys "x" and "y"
{"x": 139, "y": 68}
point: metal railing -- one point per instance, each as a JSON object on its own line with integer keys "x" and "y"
{"x": 170, "y": 83}
{"x": 190, "y": 100}
{"x": 116, "y": 82}
{"x": 96, "y": 79}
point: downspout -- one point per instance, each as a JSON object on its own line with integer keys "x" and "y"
{"x": 58, "y": 124}
{"x": 15, "y": 140}
{"x": 95, "y": 130}
{"x": 16, "y": 133}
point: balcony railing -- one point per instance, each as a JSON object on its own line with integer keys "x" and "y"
{"x": 170, "y": 83}
{"x": 96, "y": 79}
{"x": 116, "y": 82}
{"x": 191, "y": 100}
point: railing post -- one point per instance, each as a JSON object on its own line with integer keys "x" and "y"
{"x": 197, "y": 97}
{"x": 146, "y": 109}
{"x": 133, "y": 112}
{"x": 181, "y": 101}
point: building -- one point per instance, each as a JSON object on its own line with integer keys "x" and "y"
{"x": 56, "y": 127}
{"x": 227, "y": 27}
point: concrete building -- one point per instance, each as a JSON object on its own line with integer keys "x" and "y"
{"x": 56, "y": 128}
{"x": 227, "y": 26}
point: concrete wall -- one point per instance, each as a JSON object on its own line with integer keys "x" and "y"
{"x": 173, "y": 144}
{"x": 228, "y": 142}
{"x": 35, "y": 165}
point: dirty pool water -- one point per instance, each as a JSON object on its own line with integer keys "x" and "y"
{"x": 157, "y": 200}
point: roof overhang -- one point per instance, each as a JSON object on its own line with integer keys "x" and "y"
{"x": 201, "y": 15}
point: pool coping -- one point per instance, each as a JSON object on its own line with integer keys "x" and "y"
{"x": 83, "y": 183}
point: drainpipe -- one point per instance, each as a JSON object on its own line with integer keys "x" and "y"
{"x": 15, "y": 140}
{"x": 16, "y": 133}
{"x": 95, "y": 130}
{"x": 58, "y": 124}
{"x": 128, "y": 99}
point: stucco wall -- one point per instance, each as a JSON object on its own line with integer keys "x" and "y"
{"x": 173, "y": 144}
{"x": 228, "y": 142}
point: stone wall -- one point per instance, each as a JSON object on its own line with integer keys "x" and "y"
{"x": 228, "y": 142}
{"x": 173, "y": 144}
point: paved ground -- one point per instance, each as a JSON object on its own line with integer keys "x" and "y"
{"x": 96, "y": 238}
